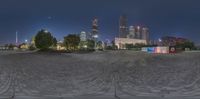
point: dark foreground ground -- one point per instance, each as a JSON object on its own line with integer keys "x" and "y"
{"x": 100, "y": 75}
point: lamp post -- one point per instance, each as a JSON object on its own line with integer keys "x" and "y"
{"x": 26, "y": 41}
{"x": 95, "y": 41}
{"x": 16, "y": 39}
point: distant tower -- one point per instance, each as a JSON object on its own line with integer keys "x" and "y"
{"x": 138, "y": 32}
{"x": 95, "y": 29}
{"x": 123, "y": 29}
{"x": 145, "y": 34}
{"x": 131, "y": 32}
{"x": 16, "y": 39}
{"x": 83, "y": 36}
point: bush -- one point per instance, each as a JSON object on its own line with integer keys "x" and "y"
{"x": 187, "y": 44}
{"x": 32, "y": 47}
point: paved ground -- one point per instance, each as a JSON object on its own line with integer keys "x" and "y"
{"x": 126, "y": 74}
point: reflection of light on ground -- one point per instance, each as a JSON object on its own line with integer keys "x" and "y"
{"x": 161, "y": 50}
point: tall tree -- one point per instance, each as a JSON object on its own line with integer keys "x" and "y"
{"x": 54, "y": 42}
{"x": 187, "y": 44}
{"x": 43, "y": 40}
{"x": 100, "y": 45}
{"x": 90, "y": 44}
{"x": 71, "y": 41}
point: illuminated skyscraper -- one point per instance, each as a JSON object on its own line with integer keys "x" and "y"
{"x": 83, "y": 36}
{"x": 138, "y": 32}
{"x": 95, "y": 29}
{"x": 145, "y": 34}
{"x": 123, "y": 29}
{"x": 131, "y": 32}
{"x": 16, "y": 39}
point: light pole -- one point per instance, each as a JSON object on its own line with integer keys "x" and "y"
{"x": 95, "y": 41}
{"x": 16, "y": 38}
{"x": 26, "y": 41}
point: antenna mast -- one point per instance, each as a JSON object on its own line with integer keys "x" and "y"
{"x": 16, "y": 38}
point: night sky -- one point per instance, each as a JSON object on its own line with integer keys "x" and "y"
{"x": 163, "y": 17}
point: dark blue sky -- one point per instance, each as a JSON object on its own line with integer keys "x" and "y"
{"x": 61, "y": 17}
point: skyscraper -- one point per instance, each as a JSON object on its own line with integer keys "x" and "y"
{"x": 123, "y": 29}
{"x": 95, "y": 29}
{"x": 145, "y": 34}
{"x": 83, "y": 36}
{"x": 132, "y": 32}
{"x": 138, "y": 32}
{"x": 16, "y": 39}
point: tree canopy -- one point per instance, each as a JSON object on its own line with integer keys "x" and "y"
{"x": 43, "y": 40}
{"x": 187, "y": 44}
{"x": 72, "y": 41}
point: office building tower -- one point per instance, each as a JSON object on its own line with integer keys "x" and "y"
{"x": 145, "y": 34}
{"x": 131, "y": 32}
{"x": 138, "y": 32}
{"x": 83, "y": 36}
{"x": 123, "y": 29}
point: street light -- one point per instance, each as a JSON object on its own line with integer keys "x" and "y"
{"x": 95, "y": 41}
{"x": 85, "y": 46}
{"x": 95, "y": 36}
{"x": 45, "y": 31}
{"x": 160, "y": 40}
{"x": 26, "y": 41}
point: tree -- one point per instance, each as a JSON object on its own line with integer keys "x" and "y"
{"x": 139, "y": 45}
{"x": 54, "y": 42}
{"x": 83, "y": 45}
{"x": 186, "y": 44}
{"x": 100, "y": 45}
{"x": 71, "y": 42}
{"x": 32, "y": 47}
{"x": 11, "y": 46}
{"x": 114, "y": 47}
{"x": 43, "y": 40}
{"x": 90, "y": 44}
{"x": 129, "y": 46}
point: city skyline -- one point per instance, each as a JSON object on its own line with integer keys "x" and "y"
{"x": 163, "y": 18}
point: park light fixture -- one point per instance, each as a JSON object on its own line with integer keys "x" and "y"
{"x": 160, "y": 40}
{"x": 95, "y": 36}
{"x": 85, "y": 46}
{"x": 26, "y": 40}
{"x": 45, "y": 31}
